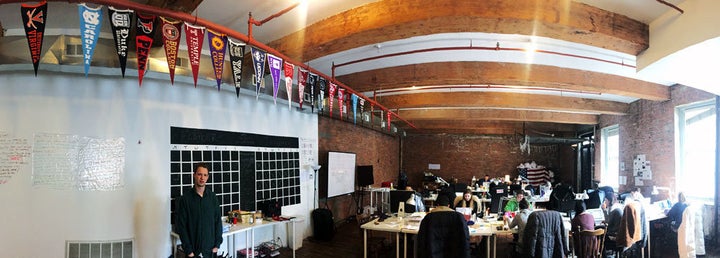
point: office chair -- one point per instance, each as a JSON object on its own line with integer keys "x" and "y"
{"x": 588, "y": 243}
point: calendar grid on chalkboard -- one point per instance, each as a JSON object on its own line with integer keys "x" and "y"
{"x": 240, "y": 176}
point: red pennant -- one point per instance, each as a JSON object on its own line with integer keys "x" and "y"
{"x": 289, "y": 70}
{"x": 171, "y": 31}
{"x": 194, "y": 40}
{"x": 143, "y": 42}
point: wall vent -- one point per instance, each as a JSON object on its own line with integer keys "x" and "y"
{"x": 97, "y": 249}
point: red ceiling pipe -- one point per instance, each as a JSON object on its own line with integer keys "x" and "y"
{"x": 496, "y": 48}
{"x": 125, "y": 4}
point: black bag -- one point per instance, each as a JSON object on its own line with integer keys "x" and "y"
{"x": 270, "y": 208}
{"x": 323, "y": 224}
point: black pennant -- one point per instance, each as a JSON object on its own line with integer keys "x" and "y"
{"x": 121, "y": 22}
{"x": 34, "y": 18}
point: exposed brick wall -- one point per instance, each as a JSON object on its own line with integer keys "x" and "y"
{"x": 371, "y": 148}
{"x": 649, "y": 128}
{"x": 465, "y": 156}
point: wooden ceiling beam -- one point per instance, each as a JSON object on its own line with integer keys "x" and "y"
{"x": 512, "y": 74}
{"x": 498, "y": 115}
{"x": 388, "y": 20}
{"x": 488, "y": 127}
{"x": 503, "y": 100}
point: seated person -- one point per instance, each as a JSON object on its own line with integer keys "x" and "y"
{"x": 443, "y": 233}
{"x": 613, "y": 211}
{"x": 676, "y": 212}
{"x": 583, "y": 220}
{"x": 468, "y": 200}
{"x": 520, "y": 220}
{"x": 512, "y": 204}
{"x": 416, "y": 200}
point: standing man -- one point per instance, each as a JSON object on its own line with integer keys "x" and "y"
{"x": 198, "y": 218}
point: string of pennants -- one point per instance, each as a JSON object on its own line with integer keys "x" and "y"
{"x": 34, "y": 19}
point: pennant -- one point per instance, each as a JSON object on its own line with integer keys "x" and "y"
{"x": 218, "y": 43}
{"x": 258, "y": 57}
{"x": 237, "y": 52}
{"x": 389, "y": 115}
{"x": 331, "y": 96}
{"x": 171, "y": 31}
{"x": 321, "y": 93}
{"x": 372, "y": 111}
{"x": 302, "y": 80}
{"x": 354, "y": 99}
{"x": 275, "y": 64}
{"x": 312, "y": 82}
{"x": 362, "y": 108}
{"x": 90, "y": 22}
{"x": 341, "y": 101}
{"x": 289, "y": 70}
{"x": 120, "y": 23}
{"x": 143, "y": 41}
{"x": 194, "y": 41}
{"x": 34, "y": 17}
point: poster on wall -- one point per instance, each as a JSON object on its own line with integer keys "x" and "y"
{"x": 67, "y": 162}
{"x": 14, "y": 153}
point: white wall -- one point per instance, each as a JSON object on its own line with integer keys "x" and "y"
{"x": 36, "y": 222}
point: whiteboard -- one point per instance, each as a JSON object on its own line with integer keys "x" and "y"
{"x": 341, "y": 173}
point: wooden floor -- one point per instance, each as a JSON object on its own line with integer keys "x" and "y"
{"x": 348, "y": 243}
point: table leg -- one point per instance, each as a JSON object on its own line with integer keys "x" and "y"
{"x": 294, "y": 238}
{"x": 405, "y": 245}
{"x": 397, "y": 245}
{"x": 494, "y": 246}
{"x": 365, "y": 243}
{"x": 487, "y": 245}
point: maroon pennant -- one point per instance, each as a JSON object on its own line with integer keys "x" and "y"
{"x": 143, "y": 41}
{"x": 171, "y": 31}
{"x": 389, "y": 115}
{"x": 34, "y": 17}
{"x": 194, "y": 36}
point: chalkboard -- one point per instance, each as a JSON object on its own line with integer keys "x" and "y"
{"x": 341, "y": 173}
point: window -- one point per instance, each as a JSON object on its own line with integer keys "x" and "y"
{"x": 695, "y": 150}
{"x": 610, "y": 156}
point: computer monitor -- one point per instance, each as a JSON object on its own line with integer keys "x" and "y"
{"x": 514, "y": 188}
{"x": 365, "y": 175}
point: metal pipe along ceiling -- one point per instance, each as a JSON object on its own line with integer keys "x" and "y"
{"x": 125, "y": 4}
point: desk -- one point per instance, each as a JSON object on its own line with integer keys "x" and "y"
{"x": 249, "y": 230}
{"x": 481, "y": 228}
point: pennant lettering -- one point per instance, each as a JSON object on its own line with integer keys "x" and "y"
{"x": 258, "y": 57}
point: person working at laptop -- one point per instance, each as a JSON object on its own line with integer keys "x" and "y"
{"x": 512, "y": 204}
{"x": 468, "y": 200}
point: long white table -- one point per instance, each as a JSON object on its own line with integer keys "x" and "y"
{"x": 249, "y": 230}
{"x": 481, "y": 228}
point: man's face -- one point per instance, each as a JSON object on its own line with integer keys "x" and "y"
{"x": 520, "y": 196}
{"x": 201, "y": 176}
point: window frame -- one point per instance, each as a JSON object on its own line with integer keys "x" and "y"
{"x": 680, "y": 124}
{"x": 605, "y": 173}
